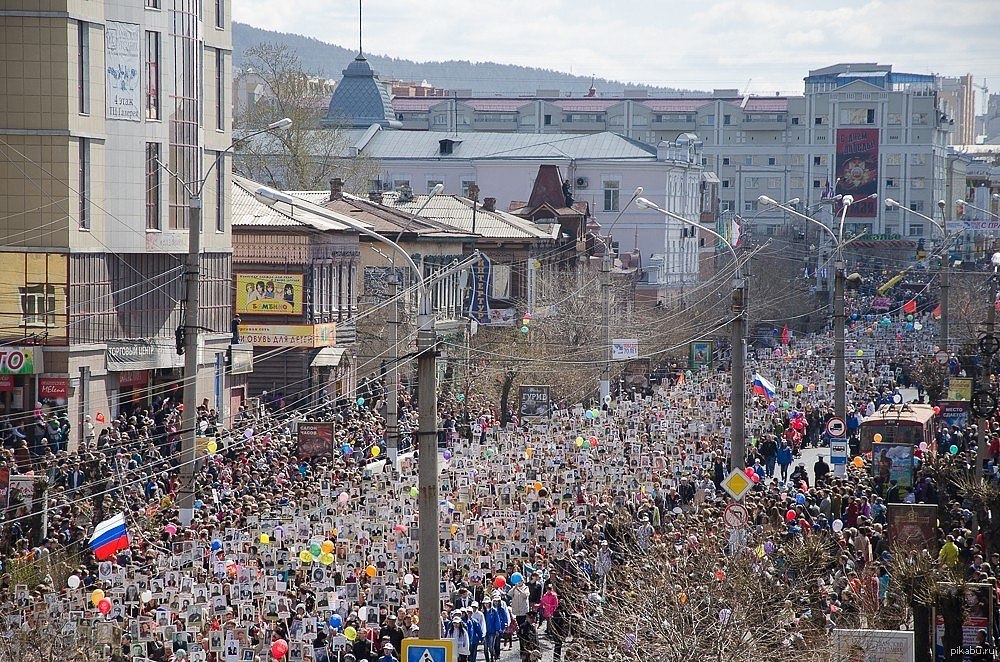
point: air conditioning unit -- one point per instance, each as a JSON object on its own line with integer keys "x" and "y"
{"x": 581, "y": 182}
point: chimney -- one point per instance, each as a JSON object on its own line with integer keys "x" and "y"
{"x": 489, "y": 204}
{"x": 375, "y": 196}
{"x": 336, "y": 188}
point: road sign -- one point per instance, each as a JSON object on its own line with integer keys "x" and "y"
{"x": 736, "y": 516}
{"x": 838, "y": 451}
{"x": 942, "y": 357}
{"x": 427, "y": 650}
{"x": 737, "y": 484}
{"x": 836, "y": 427}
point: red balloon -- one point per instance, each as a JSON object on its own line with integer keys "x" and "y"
{"x": 279, "y": 649}
{"x": 790, "y": 516}
{"x": 499, "y": 581}
{"x": 749, "y": 471}
{"x": 755, "y": 478}
{"x": 104, "y": 606}
{"x": 937, "y": 411}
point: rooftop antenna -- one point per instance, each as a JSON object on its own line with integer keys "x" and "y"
{"x": 360, "y": 49}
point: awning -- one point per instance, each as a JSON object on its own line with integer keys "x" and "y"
{"x": 328, "y": 357}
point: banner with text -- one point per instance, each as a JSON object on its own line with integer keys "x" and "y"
{"x": 857, "y": 169}
{"x": 624, "y": 349}
{"x": 122, "y": 64}
{"x": 534, "y": 401}
{"x": 269, "y": 294}
{"x": 315, "y": 440}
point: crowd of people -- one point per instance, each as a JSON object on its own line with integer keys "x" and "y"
{"x": 315, "y": 558}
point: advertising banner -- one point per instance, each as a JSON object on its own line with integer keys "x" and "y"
{"x": 624, "y": 349}
{"x": 315, "y": 440}
{"x": 19, "y": 361}
{"x": 141, "y": 354}
{"x": 534, "y": 401}
{"x": 6, "y": 383}
{"x": 122, "y": 60}
{"x": 954, "y": 414}
{"x": 873, "y": 645}
{"x": 978, "y": 610}
{"x": 479, "y": 291}
{"x": 912, "y": 525}
{"x": 4, "y": 488}
{"x": 269, "y": 294}
{"x": 240, "y": 359}
{"x": 857, "y": 169}
{"x": 289, "y": 335}
{"x": 893, "y": 462}
{"x": 132, "y": 378}
{"x": 53, "y": 388}
{"x": 960, "y": 389}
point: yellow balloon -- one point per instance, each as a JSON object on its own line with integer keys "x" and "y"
{"x": 306, "y": 556}
{"x": 264, "y": 539}
{"x": 371, "y": 571}
{"x": 527, "y": 453}
{"x": 454, "y": 529}
{"x": 327, "y": 546}
{"x": 798, "y": 388}
{"x": 96, "y": 596}
{"x": 376, "y": 451}
{"x": 211, "y": 447}
{"x": 326, "y": 558}
{"x": 350, "y": 633}
{"x": 858, "y": 462}
{"x": 878, "y": 437}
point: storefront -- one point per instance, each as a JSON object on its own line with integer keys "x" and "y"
{"x": 19, "y": 367}
{"x": 145, "y": 371}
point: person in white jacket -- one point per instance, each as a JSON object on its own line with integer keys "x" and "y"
{"x": 519, "y": 602}
{"x": 460, "y": 637}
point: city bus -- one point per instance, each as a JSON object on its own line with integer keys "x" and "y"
{"x": 900, "y": 424}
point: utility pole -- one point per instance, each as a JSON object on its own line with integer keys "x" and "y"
{"x": 605, "y": 386}
{"x": 839, "y": 349}
{"x": 392, "y": 376}
{"x": 738, "y": 373}
{"x": 986, "y": 372}
{"x": 945, "y": 273}
{"x": 189, "y": 417}
{"x": 428, "y": 557}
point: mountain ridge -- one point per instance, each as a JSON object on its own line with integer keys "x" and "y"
{"x": 483, "y": 78}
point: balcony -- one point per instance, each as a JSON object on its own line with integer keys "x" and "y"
{"x": 673, "y": 123}
{"x": 495, "y": 122}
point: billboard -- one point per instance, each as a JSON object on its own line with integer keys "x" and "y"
{"x": 857, "y": 169}
{"x": 123, "y": 67}
{"x": 289, "y": 335}
{"x": 269, "y": 294}
{"x": 960, "y": 389}
{"x": 624, "y": 349}
{"x": 19, "y": 361}
{"x": 315, "y": 440}
{"x": 893, "y": 462}
{"x": 912, "y": 525}
{"x": 874, "y": 645}
{"x": 978, "y": 611}
{"x": 534, "y": 401}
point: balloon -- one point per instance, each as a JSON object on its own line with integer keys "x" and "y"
{"x": 146, "y": 595}
{"x": 408, "y": 579}
{"x": 937, "y": 411}
{"x": 772, "y": 408}
{"x": 537, "y": 486}
{"x": 376, "y": 451}
{"x": 799, "y": 388}
{"x": 343, "y": 498}
{"x": 264, "y": 539}
{"x": 346, "y": 449}
{"x": 211, "y": 447}
{"x": 306, "y": 556}
{"x": 453, "y": 529}
{"x": 447, "y": 455}
{"x": 755, "y": 478}
{"x": 527, "y": 453}
{"x": 724, "y": 615}
{"x": 593, "y": 442}
{"x": 579, "y": 442}
{"x": 171, "y": 529}
{"x": 878, "y": 437}
{"x": 790, "y": 516}
{"x": 96, "y": 596}
{"x": 73, "y": 581}
{"x": 800, "y": 499}
{"x": 279, "y": 649}
{"x": 326, "y": 558}
{"x": 248, "y": 434}
{"x": 499, "y": 581}
{"x": 361, "y": 402}
{"x": 371, "y": 571}
{"x": 336, "y": 621}
{"x": 768, "y": 547}
{"x": 350, "y": 633}
{"x": 326, "y": 546}
{"x": 923, "y": 445}
{"x": 838, "y": 526}
{"x": 315, "y": 549}
{"x": 461, "y": 397}
{"x": 785, "y": 405}
{"x": 524, "y": 329}
{"x": 953, "y": 450}
{"x": 588, "y": 414}
{"x": 749, "y": 471}
{"x": 516, "y": 578}
{"x": 490, "y": 452}
{"x": 859, "y": 462}
{"x": 414, "y": 492}
{"x": 104, "y": 606}
{"x": 918, "y": 326}
{"x": 861, "y": 352}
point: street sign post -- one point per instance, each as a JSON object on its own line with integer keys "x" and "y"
{"x": 427, "y": 650}
{"x": 737, "y": 484}
{"x": 736, "y": 516}
{"x": 836, "y": 427}
{"x": 838, "y": 456}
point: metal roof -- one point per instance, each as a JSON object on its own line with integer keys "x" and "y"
{"x": 249, "y": 212}
{"x": 360, "y": 99}
{"x": 456, "y": 211}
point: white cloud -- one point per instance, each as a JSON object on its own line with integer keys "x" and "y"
{"x": 705, "y": 44}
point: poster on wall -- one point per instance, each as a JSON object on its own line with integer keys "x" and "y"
{"x": 857, "y": 169}
{"x": 122, "y": 64}
{"x": 269, "y": 294}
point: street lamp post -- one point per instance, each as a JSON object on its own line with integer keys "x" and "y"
{"x": 607, "y": 266}
{"x": 392, "y": 402}
{"x": 839, "y": 350}
{"x": 945, "y": 263}
{"x": 189, "y": 331}
{"x": 738, "y": 451}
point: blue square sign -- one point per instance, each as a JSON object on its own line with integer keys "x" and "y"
{"x": 427, "y": 650}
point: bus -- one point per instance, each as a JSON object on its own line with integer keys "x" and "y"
{"x": 900, "y": 424}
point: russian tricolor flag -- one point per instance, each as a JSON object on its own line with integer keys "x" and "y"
{"x": 109, "y": 537}
{"x": 763, "y": 387}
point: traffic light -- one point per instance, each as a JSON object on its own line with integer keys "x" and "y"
{"x": 180, "y": 337}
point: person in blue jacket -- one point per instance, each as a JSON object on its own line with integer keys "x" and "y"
{"x": 476, "y": 633}
{"x": 496, "y": 622}
{"x": 784, "y": 458}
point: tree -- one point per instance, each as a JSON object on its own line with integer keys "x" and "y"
{"x": 303, "y": 157}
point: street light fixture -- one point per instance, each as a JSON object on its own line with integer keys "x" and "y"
{"x": 945, "y": 263}
{"x": 738, "y": 378}
{"x": 996, "y": 196}
{"x": 190, "y": 330}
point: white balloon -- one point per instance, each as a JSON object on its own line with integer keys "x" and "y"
{"x": 408, "y": 579}
{"x": 146, "y": 595}
{"x": 838, "y": 526}
{"x": 73, "y": 581}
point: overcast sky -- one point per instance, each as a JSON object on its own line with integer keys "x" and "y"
{"x": 768, "y": 45}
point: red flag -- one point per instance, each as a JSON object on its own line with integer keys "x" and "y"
{"x": 786, "y": 335}
{"x": 910, "y": 307}
{"x": 100, "y": 417}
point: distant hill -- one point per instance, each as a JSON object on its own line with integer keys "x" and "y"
{"x": 484, "y": 78}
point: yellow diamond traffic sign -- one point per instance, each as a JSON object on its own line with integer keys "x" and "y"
{"x": 737, "y": 484}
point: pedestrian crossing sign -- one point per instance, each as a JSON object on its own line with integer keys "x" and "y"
{"x": 737, "y": 483}
{"x": 427, "y": 650}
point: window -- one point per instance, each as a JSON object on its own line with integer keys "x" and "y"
{"x": 725, "y": 160}
{"x": 870, "y": 116}
{"x": 795, "y": 121}
{"x": 797, "y": 183}
{"x": 725, "y": 205}
{"x": 220, "y": 90}
{"x": 709, "y": 120}
{"x": 919, "y": 182}
{"x": 817, "y": 160}
{"x": 918, "y": 159}
{"x": 819, "y": 120}
{"x": 725, "y": 183}
{"x": 817, "y": 183}
{"x": 152, "y": 186}
{"x": 894, "y": 119}
{"x": 890, "y": 183}
{"x": 611, "y": 192}
{"x": 38, "y": 305}
{"x": 466, "y": 185}
{"x": 749, "y": 205}
{"x": 220, "y": 193}
{"x": 440, "y": 119}
{"x": 916, "y": 230}
{"x": 83, "y": 182}
{"x": 152, "y": 4}
{"x": 152, "y": 75}
{"x": 920, "y": 118}
{"x": 772, "y": 160}
{"x": 220, "y": 13}
{"x": 501, "y": 281}
{"x": 398, "y": 184}
{"x": 83, "y": 67}
{"x": 747, "y": 160}
{"x": 893, "y": 159}
{"x": 773, "y": 182}
{"x": 917, "y": 205}
{"x": 547, "y": 120}
{"x": 431, "y": 183}
{"x": 727, "y": 119}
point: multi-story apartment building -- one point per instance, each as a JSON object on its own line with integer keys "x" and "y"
{"x": 782, "y": 147}
{"x": 98, "y": 99}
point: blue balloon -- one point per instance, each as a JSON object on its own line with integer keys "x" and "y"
{"x": 216, "y": 545}
{"x": 346, "y": 448}
{"x": 516, "y": 578}
{"x": 198, "y": 504}
{"x": 800, "y": 499}
{"x": 589, "y": 414}
{"x": 336, "y": 621}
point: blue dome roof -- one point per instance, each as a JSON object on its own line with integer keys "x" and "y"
{"x": 360, "y": 99}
